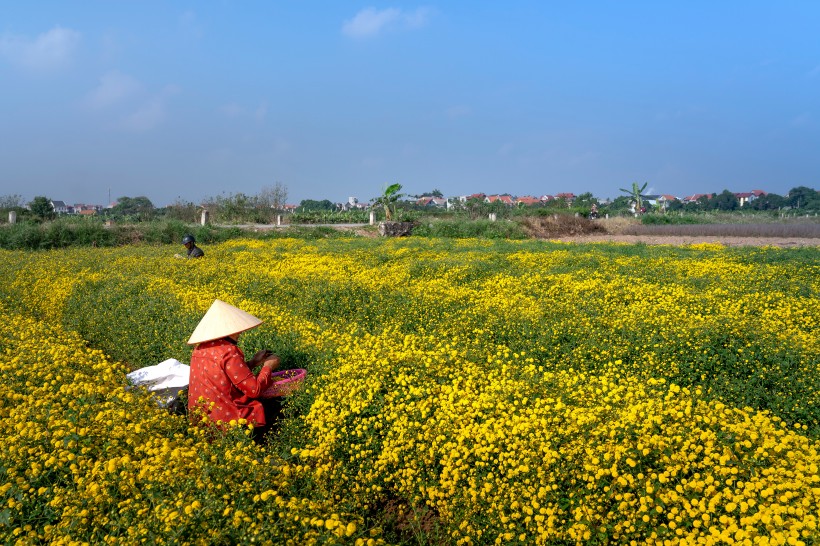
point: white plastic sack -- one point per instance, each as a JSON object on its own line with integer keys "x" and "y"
{"x": 165, "y": 379}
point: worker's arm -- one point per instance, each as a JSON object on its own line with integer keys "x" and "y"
{"x": 240, "y": 374}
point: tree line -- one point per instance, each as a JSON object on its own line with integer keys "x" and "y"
{"x": 263, "y": 207}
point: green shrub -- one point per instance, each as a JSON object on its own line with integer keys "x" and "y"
{"x": 461, "y": 229}
{"x": 673, "y": 219}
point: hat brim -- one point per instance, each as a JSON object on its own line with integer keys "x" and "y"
{"x": 222, "y": 320}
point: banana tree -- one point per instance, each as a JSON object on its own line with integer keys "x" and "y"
{"x": 388, "y": 200}
{"x": 636, "y": 194}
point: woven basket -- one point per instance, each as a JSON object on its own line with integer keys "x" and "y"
{"x": 284, "y": 382}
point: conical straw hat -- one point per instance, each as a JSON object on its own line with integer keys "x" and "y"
{"x": 222, "y": 320}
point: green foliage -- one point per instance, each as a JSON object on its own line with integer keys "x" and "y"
{"x": 311, "y": 205}
{"x": 305, "y": 233}
{"x": 239, "y": 208}
{"x": 388, "y": 200}
{"x": 139, "y": 209}
{"x": 666, "y": 219}
{"x": 11, "y": 201}
{"x": 41, "y": 208}
{"x": 460, "y": 229}
{"x": 79, "y": 231}
{"x": 636, "y": 194}
{"x": 272, "y": 197}
{"x": 803, "y": 198}
{"x": 770, "y": 201}
{"x": 619, "y": 206}
{"x": 327, "y": 216}
{"x": 725, "y": 201}
{"x": 183, "y": 211}
{"x": 148, "y": 332}
{"x": 61, "y": 233}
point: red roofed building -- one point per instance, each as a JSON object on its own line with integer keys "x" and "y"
{"x": 528, "y": 200}
{"x": 506, "y": 199}
{"x": 465, "y": 198}
{"x": 745, "y": 198}
{"x": 431, "y": 202}
{"x": 694, "y": 198}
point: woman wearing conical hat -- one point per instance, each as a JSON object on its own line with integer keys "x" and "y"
{"x": 222, "y": 384}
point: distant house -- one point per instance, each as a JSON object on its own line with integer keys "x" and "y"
{"x": 695, "y": 197}
{"x": 465, "y": 198}
{"x": 352, "y": 204}
{"x": 758, "y": 193}
{"x": 60, "y": 207}
{"x": 651, "y": 199}
{"x": 664, "y": 200}
{"x": 438, "y": 202}
{"x": 568, "y": 197}
{"x": 744, "y": 198}
{"x": 506, "y": 199}
{"x": 290, "y": 208}
{"x": 86, "y": 210}
{"x": 545, "y": 198}
{"x": 528, "y": 200}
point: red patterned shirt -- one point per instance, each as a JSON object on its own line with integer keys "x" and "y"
{"x": 225, "y": 383}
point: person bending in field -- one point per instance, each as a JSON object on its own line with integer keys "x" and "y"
{"x": 193, "y": 251}
{"x": 222, "y": 385}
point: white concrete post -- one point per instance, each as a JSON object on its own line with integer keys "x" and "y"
{"x": 492, "y": 217}
{"x": 12, "y": 217}
{"x": 372, "y": 217}
{"x": 278, "y": 219}
{"x": 204, "y": 217}
{"x": 607, "y": 216}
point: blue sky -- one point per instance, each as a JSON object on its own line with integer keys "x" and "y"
{"x": 186, "y": 100}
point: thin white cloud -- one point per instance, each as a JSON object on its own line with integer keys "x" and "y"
{"x": 281, "y": 146}
{"x": 370, "y": 21}
{"x": 232, "y": 110}
{"x": 418, "y": 18}
{"x": 460, "y": 111}
{"x": 146, "y": 117}
{"x": 110, "y": 47}
{"x": 801, "y": 120}
{"x": 190, "y": 26}
{"x": 49, "y": 51}
{"x": 261, "y": 111}
{"x": 114, "y": 88}
{"x": 506, "y": 149}
{"x": 409, "y": 150}
{"x": 371, "y": 162}
{"x": 151, "y": 114}
{"x": 583, "y": 159}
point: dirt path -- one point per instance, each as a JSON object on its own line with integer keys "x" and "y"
{"x": 678, "y": 240}
{"x": 365, "y": 230}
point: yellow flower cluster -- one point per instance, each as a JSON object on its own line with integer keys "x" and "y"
{"x": 482, "y": 392}
{"x": 85, "y": 459}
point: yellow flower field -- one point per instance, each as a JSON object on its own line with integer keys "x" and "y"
{"x": 465, "y": 392}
